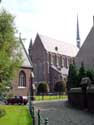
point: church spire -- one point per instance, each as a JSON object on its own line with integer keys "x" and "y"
{"x": 78, "y": 35}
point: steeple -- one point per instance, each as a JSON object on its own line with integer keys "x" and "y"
{"x": 78, "y": 35}
{"x": 30, "y": 48}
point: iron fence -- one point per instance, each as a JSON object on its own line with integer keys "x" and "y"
{"x": 37, "y": 118}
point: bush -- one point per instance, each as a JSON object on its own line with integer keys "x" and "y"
{"x": 82, "y": 73}
{"x": 59, "y": 87}
{"x": 42, "y": 88}
{"x": 72, "y": 77}
{"x": 90, "y": 74}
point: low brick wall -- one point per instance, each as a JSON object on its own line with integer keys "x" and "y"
{"x": 75, "y": 97}
{"x": 90, "y": 99}
{"x": 80, "y": 100}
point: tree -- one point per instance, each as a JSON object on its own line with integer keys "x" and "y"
{"x": 59, "y": 87}
{"x": 72, "y": 77}
{"x": 10, "y": 53}
{"x": 90, "y": 74}
{"x": 42, "y": 89}
{"x": 82, "y": 72}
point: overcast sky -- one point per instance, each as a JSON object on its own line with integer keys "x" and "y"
{"x": 53, "y": 18}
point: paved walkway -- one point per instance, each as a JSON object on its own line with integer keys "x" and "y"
{"x": 60, "y": 113}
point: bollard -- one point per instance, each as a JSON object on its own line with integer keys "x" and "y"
{"x": 33, "y": 115}
{"x": 46, "y": 121}
{"x": 38, "y": 117}
{"x": 30, "y": 108}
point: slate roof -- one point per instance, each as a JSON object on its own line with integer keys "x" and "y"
{"x": 26, "y": 60}
{"x": 86, "y": 52}
{"x": 62, "y": 47}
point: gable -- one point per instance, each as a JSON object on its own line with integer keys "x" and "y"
{"x": 38, "y": 47}
{"x": 86, "y": 52}
{"x": 25, "y": 56}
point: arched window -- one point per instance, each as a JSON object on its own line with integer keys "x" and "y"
{"x": 22, "y": 79}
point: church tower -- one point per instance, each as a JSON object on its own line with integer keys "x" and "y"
{"x": 78, "y": 35}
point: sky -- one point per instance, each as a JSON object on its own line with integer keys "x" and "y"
{"x": 53, "y": 18}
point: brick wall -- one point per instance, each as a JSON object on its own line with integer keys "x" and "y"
{"x": 18, "y": 91}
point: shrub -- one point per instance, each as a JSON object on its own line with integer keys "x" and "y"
{"x": 90, "y": 74}
{"x": 59, "y": 87}
{"x": 72, "y": 77}
{"x": 82, "y": 73}
{"x": 75, "y": 76}
{"x": 42, "y": 88}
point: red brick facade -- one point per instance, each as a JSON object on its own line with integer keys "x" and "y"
{"x": 18, "y": 90}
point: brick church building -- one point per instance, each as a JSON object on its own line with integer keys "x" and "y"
{"x": 51, "y": 59}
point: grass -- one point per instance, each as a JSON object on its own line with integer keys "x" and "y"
{"x": 15, "y": 115}
{"x": 54, "y": 97}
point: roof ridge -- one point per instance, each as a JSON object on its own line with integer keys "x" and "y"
{"x": 25, "y": 52}
{"x": 40, "y": 35}
{"x": 64, "y": 48}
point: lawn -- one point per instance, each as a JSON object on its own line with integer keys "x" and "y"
{"x": 15, "y": 115}
{"x": 51, "y": 97}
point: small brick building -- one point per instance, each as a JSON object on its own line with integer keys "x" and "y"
{"x": 51, "y": 59}
{"x": 24, "y": 77}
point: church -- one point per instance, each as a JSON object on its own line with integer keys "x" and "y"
{"x": 51, "y": 59}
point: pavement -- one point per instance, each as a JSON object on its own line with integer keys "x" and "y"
{"x": 61, "y": 113}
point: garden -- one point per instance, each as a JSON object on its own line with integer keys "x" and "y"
{"x": 43, "y": 91}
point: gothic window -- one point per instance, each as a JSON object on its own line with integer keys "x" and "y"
{"x": 49, "y": 58}
{"x": 22, "y": 79}
{"x": 51, "y": 61}
{"x": 65, "y": 62}
{"x": 55, "y": 59}
{"x": 60, "y": 61}
{"x": 68, "y": 62}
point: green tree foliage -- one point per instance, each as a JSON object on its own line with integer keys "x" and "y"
{"x": 10, "y": 53}
{"x": 75, "y": 76}
{"x": 59, "y": 87}
{"x": 82, "y": 72}
{"x": 42, "y": 89}
{"x": 90, "y": 74}
{"x": 72, "y": 77}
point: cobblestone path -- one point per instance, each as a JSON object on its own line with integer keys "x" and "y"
{"x": 60, "y": 113}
